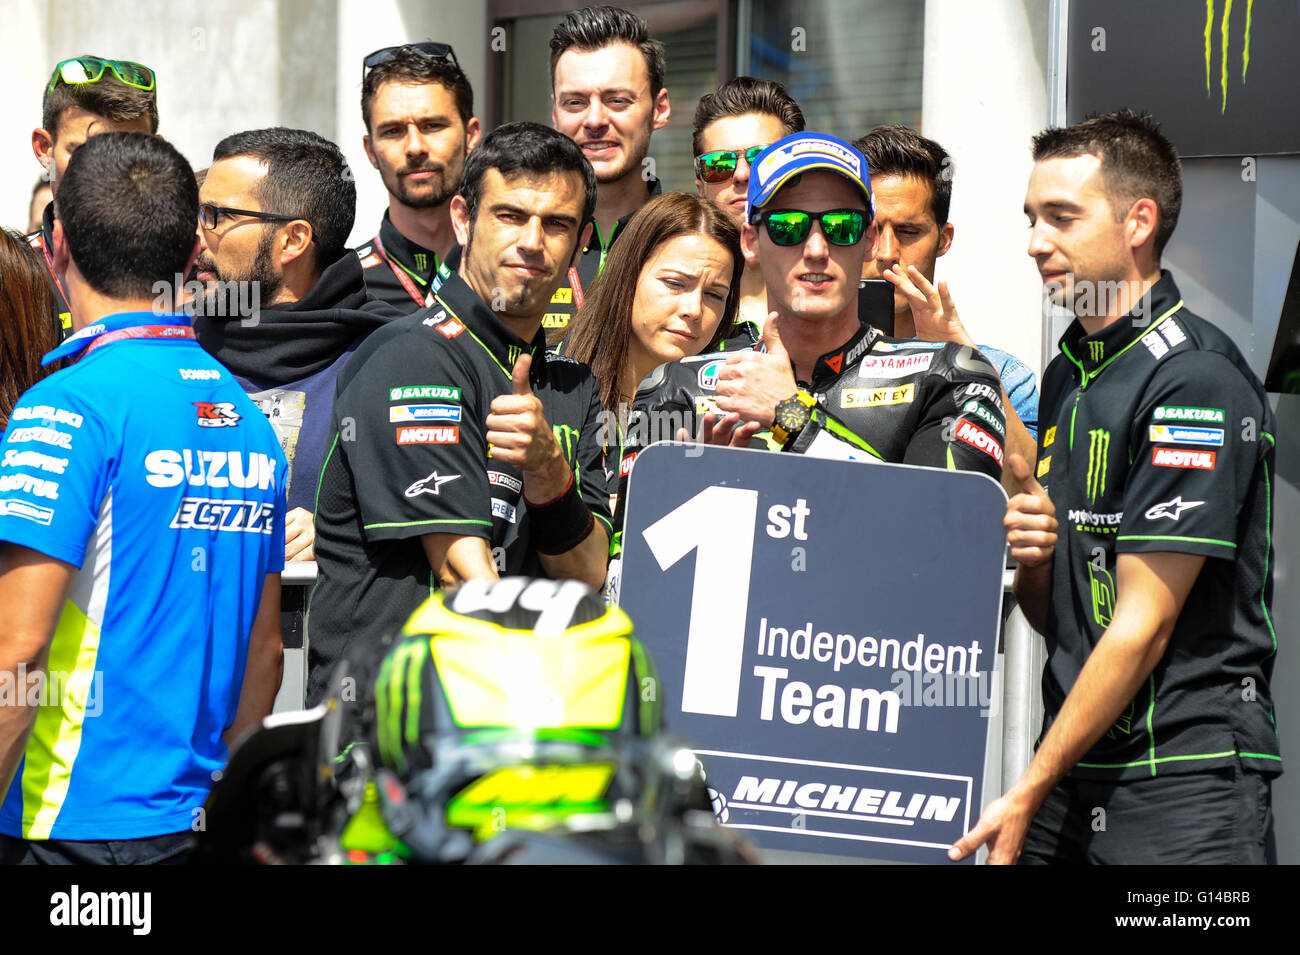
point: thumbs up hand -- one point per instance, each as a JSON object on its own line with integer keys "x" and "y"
{"x": 518, "y": 434}
{"x": 752, "y": 382}
{"x": 1031, "y": 518}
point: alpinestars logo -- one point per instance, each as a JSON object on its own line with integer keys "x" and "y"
{"x": 220, "y": 414}
{"x": 430, "y": 485}
{"x": 1171, "y": 509}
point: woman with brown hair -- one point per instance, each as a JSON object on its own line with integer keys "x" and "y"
{"x": 670, "y": 289}
{"x": 27, "y": 325}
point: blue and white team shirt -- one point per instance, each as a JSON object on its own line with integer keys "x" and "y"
{"x": 146, "y": 466}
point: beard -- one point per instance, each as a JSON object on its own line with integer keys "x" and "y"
{"x": 432, "y": 192}
{"x": 228, "y": 290}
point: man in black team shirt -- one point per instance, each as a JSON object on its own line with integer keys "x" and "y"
{"x": 461, "y": 449}
{"x": 86, "y": 96}
{"x": 418, "y": 108}
{"x": 822, "y": 382}
{"x": 607, "y": 84}
{"x": 1156, "y": 456}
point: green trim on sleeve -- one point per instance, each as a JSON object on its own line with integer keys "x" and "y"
{"x": 418, "y": 523}
{"x": 1167, "y": 537}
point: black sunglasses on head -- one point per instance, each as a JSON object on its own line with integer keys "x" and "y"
{"x": 429, "y": 48}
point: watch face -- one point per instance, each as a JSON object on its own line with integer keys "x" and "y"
{"x": 791, "y": 415}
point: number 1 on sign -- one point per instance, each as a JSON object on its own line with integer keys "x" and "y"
{"x": 719, "y": 523}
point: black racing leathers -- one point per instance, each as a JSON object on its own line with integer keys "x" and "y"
{"x": 933, "y": 404}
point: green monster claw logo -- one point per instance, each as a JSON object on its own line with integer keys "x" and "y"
{"x": 421, "y": 261}
{"x": 398, "y": 688}
{"x": 1224, "y": 43}
{"x": 1096, "y": 350}
{"x": 567, "y": 435}
{"x": 1098, "y": 449}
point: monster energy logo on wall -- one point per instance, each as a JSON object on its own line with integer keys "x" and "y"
{"x": 1223, "y": 55}
{"x": 1096, "y": 350}
{"x": 1098, "y": 449}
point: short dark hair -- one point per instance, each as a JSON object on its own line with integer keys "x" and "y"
{"x": 306, "y": 177}
{"x": 529, "y": 148}
{"x": 899, "y": 151}
{"x": 594, "y": 28}
{"x": 129, "y": 208}
{"x": 742, "y": 95}
{"x": 408, "y": 65}
{"x": 1137, "y": 162}
{"x": 110, "y": 98}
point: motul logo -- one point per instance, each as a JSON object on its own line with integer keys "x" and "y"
{"x": 449, "y": 435}
{"x": 1175, "y": 458}
{"x": 977, "y": 437}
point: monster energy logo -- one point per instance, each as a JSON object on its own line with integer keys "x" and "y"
{"x": 568, "y": 438}
{"x": 1223, "y": 53}
{"x": 1103, "y": 594}
{"x": 1096, "y": 350}
{"x": 398, "y": 686}
{"x": 512, "y": 354}
{"x": 421, "y": 261}
{"x": 1098, "y": 449}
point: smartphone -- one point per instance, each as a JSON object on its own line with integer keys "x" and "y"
{"x": 876, "y": 304}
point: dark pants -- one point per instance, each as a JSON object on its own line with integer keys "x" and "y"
{"x": 1221, "y": 817}
{"x": 173, "y": 849}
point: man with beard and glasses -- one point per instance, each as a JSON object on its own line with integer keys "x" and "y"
{"x": 286, "y": 304}
{"x": 418, "y": 108}
{"x": 607, "y": 84}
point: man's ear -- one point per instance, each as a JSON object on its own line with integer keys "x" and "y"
{"x": 663, "y": 110}
{"x": 59, "y": 254}
{"x": 460, "y": 223}
{"x": 945, "y": 239}
{"x": 43, "y": 150}
{"x": 473, "y": 133}
{"x": 584, "y": 239}
{"x": 1141, "y": 223}
{"x": 295, "y": 240}
{"x": 370, "y": 153}
{"x": 749, "y": 244}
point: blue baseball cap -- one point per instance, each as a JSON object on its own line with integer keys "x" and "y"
{"x": 798, "y": 153}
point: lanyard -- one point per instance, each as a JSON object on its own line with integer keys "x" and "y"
{"x": 575, "y": 283}
{"x": 402, "y": 277}
{"x": 49, "y": 263}
{"x": 141, "y": 331}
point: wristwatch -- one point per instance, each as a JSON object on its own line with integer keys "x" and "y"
{"x": 792, "y": 416}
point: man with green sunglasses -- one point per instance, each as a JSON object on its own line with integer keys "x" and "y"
{"x": 86, "y": 96}
{"x": 822, "y": 382}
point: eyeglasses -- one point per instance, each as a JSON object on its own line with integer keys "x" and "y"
{"x": 430, "y": 48}
{"x": 791, "y": 226}
{"x": 90, "y": 69}
{"x": 720, "y": 165}
{"x": 210, "y": 215}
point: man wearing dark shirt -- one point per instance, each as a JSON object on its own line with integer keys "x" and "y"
{"x": 1156, "y": 457}
{"x": 607, "y": 87}
{"x": 461, "y": 449}
{"x": 418, "y": 108}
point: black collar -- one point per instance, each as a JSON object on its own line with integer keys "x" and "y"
{"x": 406, "y": 254}
{"x": 828, "y": 368}
{"x": 1092, "y": 353}
{"x": 505, "y": 347}
{"x": 653, "y": 188}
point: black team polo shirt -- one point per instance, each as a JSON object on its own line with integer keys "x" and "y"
{"x": 399, "y": 256}
{"x": 1159, "y": 438}
{"x": 408, "y": 457}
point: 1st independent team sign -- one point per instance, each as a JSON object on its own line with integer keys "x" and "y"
{"x": 826, "y": 633}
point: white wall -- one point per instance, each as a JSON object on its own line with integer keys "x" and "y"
{"x": 984, "y": 95}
